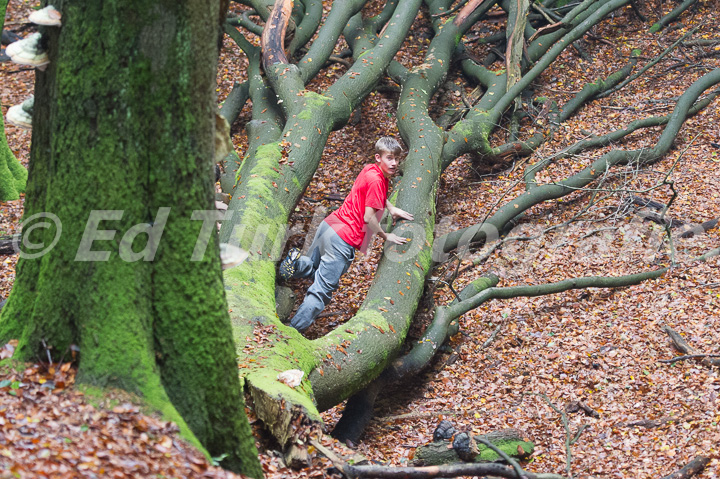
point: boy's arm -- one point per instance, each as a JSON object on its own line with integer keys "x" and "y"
{"x": 372, "y": 222}
{"x": 397, "y": 213}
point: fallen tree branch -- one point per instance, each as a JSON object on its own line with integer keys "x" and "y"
{"x": 651, "y": 423}
{"x": 463, "y": 307}
{"x": 688, "y": 356}
{"x": 690, "y": 469}
{"x": 648, "y": 65}
{"x": 273, "y": 35}
{"x": 492, "y": 337}
{"x": 670, "y": 17}
{"x": 427, "y": 472}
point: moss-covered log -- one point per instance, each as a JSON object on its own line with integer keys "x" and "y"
{"x": 128, "y": 113}
{"x": 510, "y": 441}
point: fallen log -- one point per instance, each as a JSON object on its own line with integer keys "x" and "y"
{"x": 440, "y": 451}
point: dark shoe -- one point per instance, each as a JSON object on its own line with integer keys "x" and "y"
{"x": 287, "y": 266}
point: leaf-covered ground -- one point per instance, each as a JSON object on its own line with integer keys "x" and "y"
{"x": 515, "y": 363}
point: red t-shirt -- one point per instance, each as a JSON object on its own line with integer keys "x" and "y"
{"x": 348, "y": 221}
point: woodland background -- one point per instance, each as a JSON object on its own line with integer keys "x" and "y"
{"x": 601, "y": 347}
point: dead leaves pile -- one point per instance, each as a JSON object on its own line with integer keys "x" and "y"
{"x": 48, "y": 429}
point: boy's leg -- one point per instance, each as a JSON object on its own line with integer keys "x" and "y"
{"x": 335, "y": 260}
{"x": 307, "y": 265}
{"x": 297, "y": 266}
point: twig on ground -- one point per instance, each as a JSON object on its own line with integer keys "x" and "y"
{"x": 688, "y": 351}
{"x": 566, "y": 425}
{"x": 492, "y": 337}
{"x": 688, "y": 356}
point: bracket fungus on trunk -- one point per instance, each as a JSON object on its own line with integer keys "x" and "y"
{"x": 48, "y": 16}
{"x": 21, "y": 115}
{"x": 28, "y": 51}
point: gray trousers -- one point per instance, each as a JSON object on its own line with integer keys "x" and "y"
{"x": 328, "y": 258}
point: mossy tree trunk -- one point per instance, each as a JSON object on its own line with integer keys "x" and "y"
{"x": 13, "y": 176}
{"x": 122, "y": 156}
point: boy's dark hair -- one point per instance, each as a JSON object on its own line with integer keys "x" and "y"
{"x": 388, "y": 144}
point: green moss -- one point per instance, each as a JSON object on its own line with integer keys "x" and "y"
{"x": 13, "y": 176}
{"x": 313, "y": 103}
{"x": 315, "y": 100}
{"x": 252, "y": 291}
{"x": 8, "y": 191}
{"x": 511, "y": 448}
{"x": 305, "y": 114}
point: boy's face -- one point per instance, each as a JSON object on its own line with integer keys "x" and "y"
{"x": 387, "y": 162}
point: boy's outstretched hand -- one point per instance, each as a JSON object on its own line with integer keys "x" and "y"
{"x": 393, "y": 238}
{"x": 398, "y": 214}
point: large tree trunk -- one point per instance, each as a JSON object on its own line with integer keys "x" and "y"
{"x": 123, "y": 142}
{"x": 13, "y": 175}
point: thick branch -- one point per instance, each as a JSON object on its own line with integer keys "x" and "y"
{"x": 322, "y": 48}
{"x": 455, "y": 470}
{"x": 552, "y": 288}
{"x": 670, "y": 17}
{"x": 308, "y": 25}
{"x": 517, "y": 19}
{"x": 273, "y": 36}
{"x": 472, "y": 133}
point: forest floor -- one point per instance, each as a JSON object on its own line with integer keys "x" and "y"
{"x": 522, "y": 363}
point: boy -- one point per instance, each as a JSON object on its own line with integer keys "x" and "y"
{"x": 348, "y": 228}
